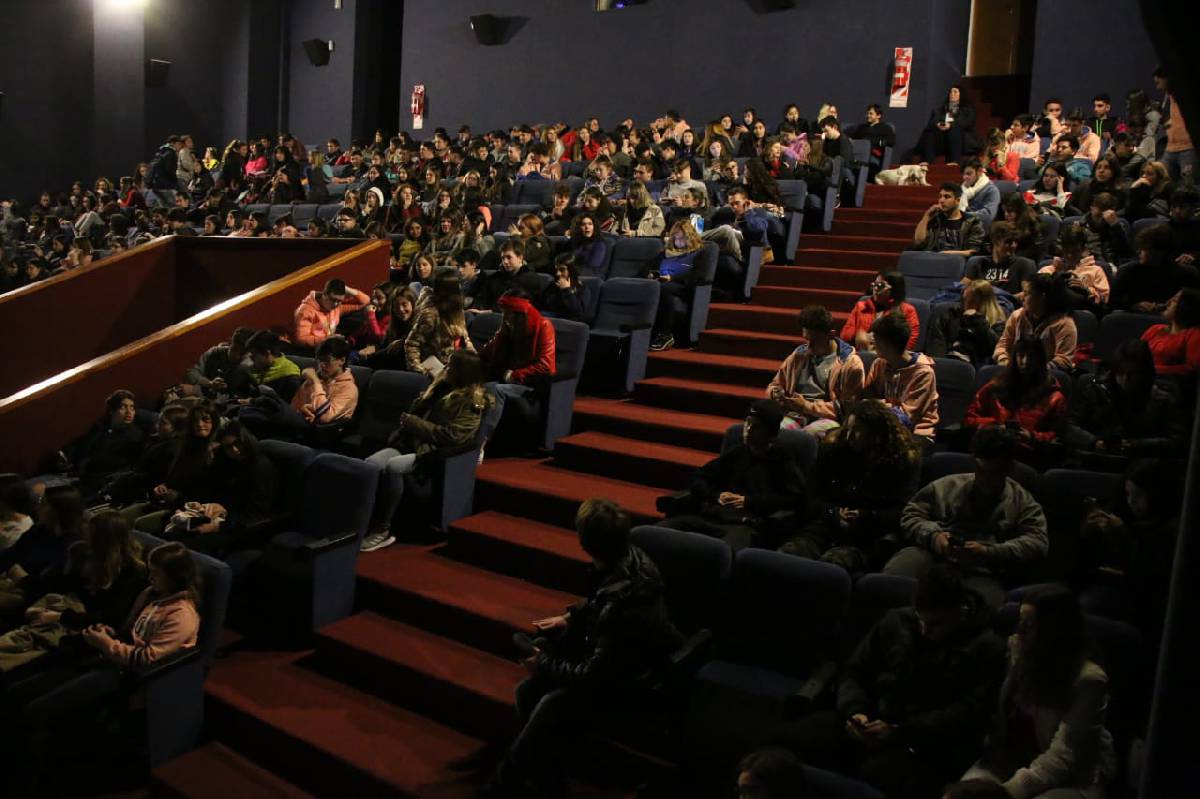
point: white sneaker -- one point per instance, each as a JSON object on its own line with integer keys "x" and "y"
{"x": 377, "y": 540}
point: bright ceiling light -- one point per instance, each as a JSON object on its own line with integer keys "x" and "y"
{"x": 120, "y": 6}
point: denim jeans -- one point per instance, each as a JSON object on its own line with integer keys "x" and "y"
{"x": 393, "y": 466}
{"x": 1180, "y": 164}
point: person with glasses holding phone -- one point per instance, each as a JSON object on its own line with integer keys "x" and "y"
{"x": 888, "y": 292}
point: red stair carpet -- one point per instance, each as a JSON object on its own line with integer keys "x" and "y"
{"x": 423, "y": 674}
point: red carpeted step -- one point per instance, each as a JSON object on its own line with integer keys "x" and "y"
{"x": 698, "y": 396}
{"x": 893, "y": 230}
{"x": 856, "y": 243}
{"x": 440, "y": 678}
{"x": 538, "y": 490}
{"x": 846, "y": 259}
{"x": 916, "y": 202}
{"x": 707, "y": 366}
{"x": 479, "y": 607}
{"x": 797, "y": 298}
{"x": 762, "y": 318}
{"x": 629, "y": 459}
{"x": 880, "y": 195}
{"x": 882, "y": 213}
{"x": 628, "y": 418}
{"x": 816, "y": 276}
{"x": 329, "y": 738}
{"x": 522, "y": 548}
{"x": 750, "y": 343}
{"x": 216, "y": 772}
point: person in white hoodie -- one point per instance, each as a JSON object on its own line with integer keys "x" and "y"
{"x": 980, "y": 196}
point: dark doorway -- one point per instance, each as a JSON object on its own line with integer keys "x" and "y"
{"x": 1001, "y": 38}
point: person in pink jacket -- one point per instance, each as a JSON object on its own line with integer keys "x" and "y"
{"x": 328, "y": 393}
{"x": 1089, "y": 143}
{"x": 318, "y": 315}
{"x": 1046, "y": 316}
{"x": 164, "y": 619}
{"x": 1079, "y": 266}
{"x": 902, "y": 379}
{"x": 822, "y": 377}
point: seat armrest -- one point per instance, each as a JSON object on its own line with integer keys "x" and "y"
{"x": 692, "y": 652}
{"x": 672, "y": 504}
{"x": 818, "y": 682}
{"x": 632, "y": 328}
{"x": 170, "y": 664}
{"x": 319, "y": 546}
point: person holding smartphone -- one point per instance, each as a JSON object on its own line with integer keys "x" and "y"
{"x": 984, "y": 522}
{"x": 914, "y": 699}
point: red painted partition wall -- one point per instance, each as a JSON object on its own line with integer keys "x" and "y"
{"x": 40, "y": 419}
{"x": 75, "y": 317}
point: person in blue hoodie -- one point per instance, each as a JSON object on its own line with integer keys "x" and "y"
{"x": 981, "y": 196}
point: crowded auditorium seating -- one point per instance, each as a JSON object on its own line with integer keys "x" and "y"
{"x": 383, "y": 670}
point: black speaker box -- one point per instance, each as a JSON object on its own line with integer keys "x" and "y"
{"x": 317, "y": 51}
{"x": 486, "y": 28}
{"x": 156, "y": 73}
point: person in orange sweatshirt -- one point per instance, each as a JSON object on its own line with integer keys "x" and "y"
{"x": 903, "y": 380}
{"x": 164, "y": 619}
{"x": 317, "y": 317}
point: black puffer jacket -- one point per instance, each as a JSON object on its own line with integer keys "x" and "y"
{"x": 618, "y": 633}
{"x": 936, "y": 692}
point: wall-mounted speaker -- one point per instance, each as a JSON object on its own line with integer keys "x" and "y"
{"x": 486, "y": 28}
{"x": 156, "y": 73}
{"x": 317, "y": 51}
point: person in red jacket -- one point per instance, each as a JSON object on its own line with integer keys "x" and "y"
{"x": 1025, "y": 398}
{"x": 518, "y": 357}
{"x": 1176, "y": 345}
{"x": 887, "y": 294}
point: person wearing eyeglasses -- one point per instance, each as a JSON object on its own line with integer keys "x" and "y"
{"x": 887, "y": 296}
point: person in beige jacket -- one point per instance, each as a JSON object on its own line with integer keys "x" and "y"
{"x": 819, "y": 378}
{"x": 1045, "y": 317}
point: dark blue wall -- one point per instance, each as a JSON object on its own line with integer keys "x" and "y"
{"x": 1083, "y": 47}
{"x": 701, "y": 56}
{"x": 320, "y": 100}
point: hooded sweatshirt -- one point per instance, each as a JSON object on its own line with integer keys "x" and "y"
{"x": 842, "y": 390}
{"x": 156, "y": 629}
{"x": 1090, "y": 276}
{"x": 498, "y": 356}
{"x": 329, "y": 400}
{"x": 312, "y": 325}
{"x": 911, "y": 390}
{"x": 1057, "y": 333}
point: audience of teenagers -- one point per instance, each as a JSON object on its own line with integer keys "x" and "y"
{"x": 926, "y": 702}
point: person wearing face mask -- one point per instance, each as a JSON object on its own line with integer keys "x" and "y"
{"x": 914, "y": 699}
{"x": 984, "y": 522}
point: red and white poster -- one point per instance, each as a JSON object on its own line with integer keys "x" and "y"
{"x": 901, "y": 78}
{"x": 418, "y": 106}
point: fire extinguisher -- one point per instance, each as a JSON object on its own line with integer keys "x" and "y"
{"x": 418, "y": 106}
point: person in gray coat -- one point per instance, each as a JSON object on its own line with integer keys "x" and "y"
{"x": 986, "y": 522}
{"x": 981, "y": 196}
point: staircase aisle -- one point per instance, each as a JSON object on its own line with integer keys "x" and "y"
{"x": 423, "y": 674}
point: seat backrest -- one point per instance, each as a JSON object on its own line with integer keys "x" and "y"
{"x": 1119, "y": 326}
{"x": 705, "y": 265}
{"x": 570, "y": 346}
{"x": 258, "y": 208}
{"x": 536, "y": 192}
{"x": 278, "y": 212}
{"x": 362, "y": 378}
{"x": 940, "y": 266}
{"x": 874, "y": 595}
{"x": 1142, "y": 224}
{"x": 921, "y": 306}
{"x": 291, "y": 462}
{"x": 304, "y": 213}
{"x": 1053, "y": 224}
{"x": 573, "y": 181}
{"x": 497, "y": 212}
{"x": 303, "y": 361}
{"x": 591, "y": 296}
{"x": 1087, "y": 326}
{"x": 1064, "y": 490}
{"x": 985, "y": 375}
{"x": 216, "y": 579}
{"x": 626, "y": 302}
{"x": 800, "y": 445}
{"x": 540, "y": 281}
{"x": 482, "y": 327}
{"x": 861, "y": 149}
{"x": 784, "y": 611}
{"x": 1121, "y": 651}
{"x": 633, "y": 257}
{"x": 956, "y": 389}
{"x": 942, "y": 464}
{"x": 389, "y": 394}
{"x": 327, "y": 212}
{"x": 510, "y": 214}
{"x": 339, "y": 493}
{"x": 793, "y": 193}
{"x": 695, "y": 570}
{"x": 1005, "y": 187}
